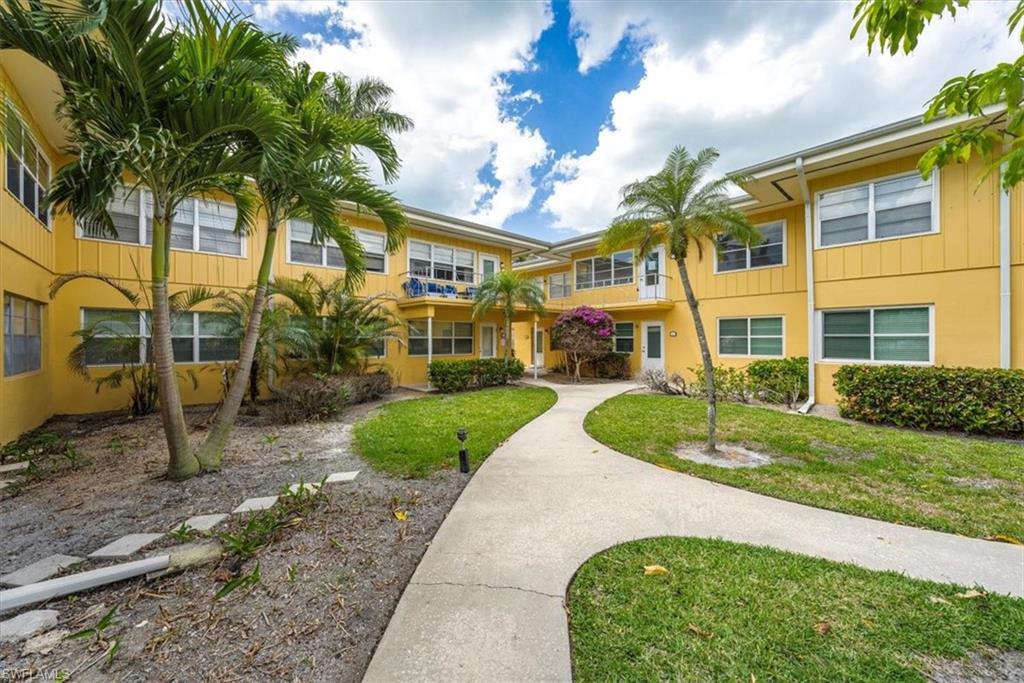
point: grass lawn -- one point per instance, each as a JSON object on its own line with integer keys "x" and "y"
{"x": 415, "y": 438}
{"x": 733, "y": 612}
{"x": 962, "y": 485}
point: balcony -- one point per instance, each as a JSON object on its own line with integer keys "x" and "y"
{"x": 418, "y": 288}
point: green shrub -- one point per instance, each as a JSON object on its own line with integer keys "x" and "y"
{"x": 611, "y": 365}
{"x": 978, "y": 401}
{"x": 368, "y": 387}
{"x": 779, "y": 380}
{"x": 450, "y": 376}
{"x": 314, "y": 397}
{"x": 731, "y": 384}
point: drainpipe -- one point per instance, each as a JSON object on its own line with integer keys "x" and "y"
{"x": 1004, "y": 275}
{"x": 534, "y": 346}
{"x": 812, "y": 336}
{"x": 430, "y": 344}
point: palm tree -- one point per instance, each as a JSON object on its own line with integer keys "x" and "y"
{"x": 507, "y": 289}
{"x": 182, "y": 110}
{"x": 369, "y": 99}
{"x": 312, "y": 176}
{"x": 680, "y": 207}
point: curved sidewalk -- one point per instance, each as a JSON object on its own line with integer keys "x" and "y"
{"x": 486, "y": 602}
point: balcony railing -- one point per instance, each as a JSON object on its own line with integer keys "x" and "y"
{"x": 417, "y": 286}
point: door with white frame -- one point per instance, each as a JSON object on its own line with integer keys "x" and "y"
{"x": 652, "y": 346}
{"x": 488, "y": 340}
{"x": 652, "y": 282}
{"x": 489, "y": 265}
{"x": 538, "y": 348}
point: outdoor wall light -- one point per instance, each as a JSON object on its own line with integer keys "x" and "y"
{"x": 463, "y": 456}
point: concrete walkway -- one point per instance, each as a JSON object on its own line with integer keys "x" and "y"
{"x": 487, "y": 601}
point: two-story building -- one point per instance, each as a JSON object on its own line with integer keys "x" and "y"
{"x": 863, "y": 261}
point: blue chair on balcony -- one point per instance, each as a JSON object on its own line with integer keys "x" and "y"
{"x": 434, "y": 289}
{"x": 413, "y": 287}
{"x": 451, "y": 292}
{"x": 470, "y": 292}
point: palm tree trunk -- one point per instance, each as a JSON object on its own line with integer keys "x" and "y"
{"x": 212, "y": 450}
{"x": 182, "y": 463}
{"x": 705, "y": 355}
{"x": 508, "y": 336}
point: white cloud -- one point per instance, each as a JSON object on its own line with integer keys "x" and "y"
{"x": 755, "y": 89}
{"x": 445, "y": 63}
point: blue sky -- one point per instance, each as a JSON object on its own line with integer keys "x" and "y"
{"x": 531, "y": 115}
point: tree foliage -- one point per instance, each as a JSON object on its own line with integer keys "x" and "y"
{"x": 582, "y": 334}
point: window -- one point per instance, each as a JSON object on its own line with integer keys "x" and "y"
{"x": 899, "y": 335}
{"x": 558, "y": 285}
{"x": 624, "y": 337}
{"x": 734, "y": 255}
{"x": 302, "y": 249}
{"x": 28, "y": 169}
{"x": 23, "y": 335}
{"x": 896, "y": 207}
{"x": 199, "y": 225}
{"x": 438, "y": 262}
{"x": 375, "y": 250}
{"x": 195, "y": 337}
{"x": 449, "y": 338}
{"x": 605, "y": 271}
{"x": 377, "y": 349}
{"x": 750, "y": 336}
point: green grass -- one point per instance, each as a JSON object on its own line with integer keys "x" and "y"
{"x": 733, "y": 612}
{"x": 416, "y": 438}
{"x": 961, "y": 485}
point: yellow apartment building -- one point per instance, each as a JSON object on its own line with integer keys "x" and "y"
{"x": 863, "y": 262}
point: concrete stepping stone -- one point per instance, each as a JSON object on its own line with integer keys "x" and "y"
{"x": 339, "y": 477}
{"x": 203, "y": 522}
{"x": 39, "y": 570}
{"x": 27, "y": 624}
{"x": 255, "y": 504}
{"x": 127, "y": 545}
{"x": 308, "y": 486}
{"x": 4, "y": 484}
{"x": 14, "y": 466}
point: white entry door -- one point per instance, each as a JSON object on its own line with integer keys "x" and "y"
{"x": 489, "y": 265}
{"x": 652, "y": 286}
{"x": 538, "y": 349}
{"x": 488, "y": 340}
{"x": 652, "y": 346}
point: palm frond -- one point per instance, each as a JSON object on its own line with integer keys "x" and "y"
{"x": 60, "y": 281}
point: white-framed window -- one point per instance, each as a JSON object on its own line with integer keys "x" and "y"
{"x": 28, "y": 167}
{"x": 196, "y": 337}
{"x": 448, "y": 338}
{"x": 374, "y": 250}
{"x": 605, "y": 271}
{"x": 903, "y": 334}
{"x": 559, "y": 286}
{"x": 770, "y": 252}
{"x": 199, "y": 225}
{"x": 888, "y": 208}
{"x": 754, "y": 336}
{"x": 23, "y": 335}
{"x": 624, "y": 337}
{"x": 302, "y": 249}
{"x": 441, "y": 262}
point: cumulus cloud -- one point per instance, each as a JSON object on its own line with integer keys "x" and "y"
{"x": 755, "y": 85}
{"x": 468, "y": 155}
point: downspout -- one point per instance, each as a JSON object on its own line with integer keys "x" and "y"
{"x": 1004, "y": 275}
{"x": 809, "y": 269}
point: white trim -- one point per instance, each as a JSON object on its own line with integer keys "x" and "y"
{"x": 611, "y": 258}
{"x": 429, "y": 355}
{"x": 40, "y": 152}
{"x": 568, "y": 284}
{"x": 644, "y": 353}
{"x": 455, "y": 249}
{"x": 1005, "y": 286}
{"x": 748, "y": 318}
{"x": 785, "y": 251}
{"x": 481, "y": 256}
{"x": 820, "y": 342}
{"x": 936, "y": 209}
{"x": 143, "y": 350}
{"x": 616, "y": 337}
{"x": 494, "y": 339}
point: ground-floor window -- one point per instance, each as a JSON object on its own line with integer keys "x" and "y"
{"x": 23, "y": 335}
{"x": 898, "y": 335}
{"x": 449, "y": 338}
{"x": 760, "y": 336}
{"x": 624, "y": 337}
{"x": 119, "y": 336}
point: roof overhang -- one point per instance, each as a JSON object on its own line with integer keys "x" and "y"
{"x": 40, "y": 89}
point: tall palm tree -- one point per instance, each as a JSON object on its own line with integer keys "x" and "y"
{"x": 507, "y": 289}
{"x": 368, "y": 99}
{"x": 680, "y": 207}
{"x": 312, "y": 176}
{"x": 182, "y": 110}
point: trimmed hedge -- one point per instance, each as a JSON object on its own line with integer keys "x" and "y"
{"x": 449, "y": 376}
{"x": 779, "y": 380}
{"x": 973, "y": 400}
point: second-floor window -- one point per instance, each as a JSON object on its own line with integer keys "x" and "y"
{"x": 301, "y": 248}
{"x": 28, "y": 169}
{"x": 895, "y": 207}
{"x": 201, "y": 225}
{"x": 559, "y": 286}
{"x": 440, "y": 262}
{"x": 605, "y": 271}
{"x": 770, "y": 251}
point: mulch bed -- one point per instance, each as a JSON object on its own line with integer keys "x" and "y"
{"x": 328, "y": 585}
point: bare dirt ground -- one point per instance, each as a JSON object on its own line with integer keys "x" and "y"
{"x": 328, "y": 585}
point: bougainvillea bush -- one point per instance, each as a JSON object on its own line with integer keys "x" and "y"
{"x": 582, "y": 334}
